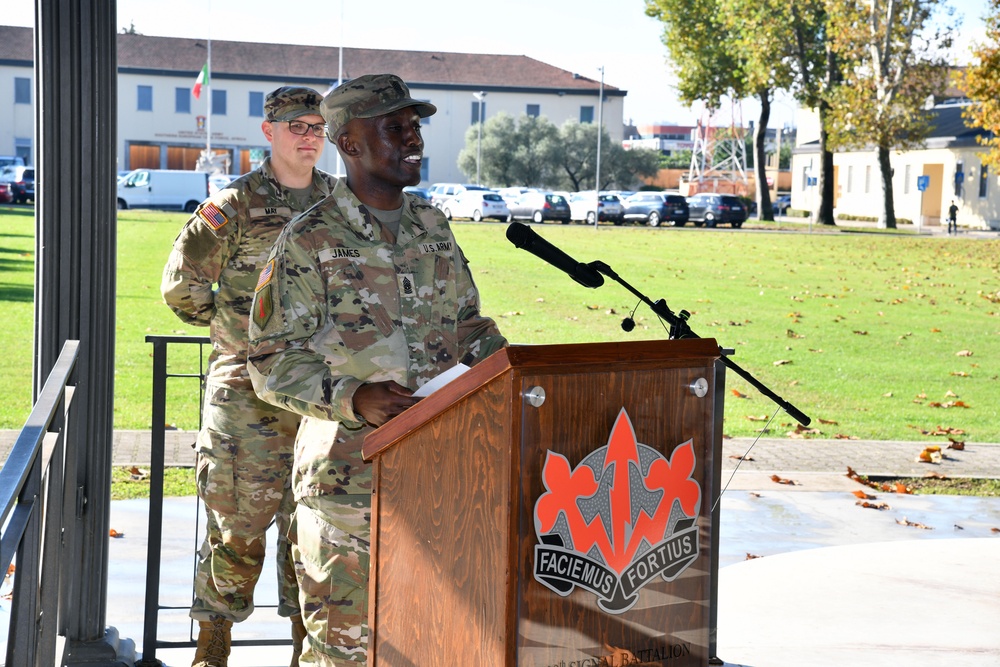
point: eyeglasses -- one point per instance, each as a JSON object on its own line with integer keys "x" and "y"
{"x": 301, "y": 128}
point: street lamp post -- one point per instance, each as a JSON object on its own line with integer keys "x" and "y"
{"x": 480, "y": 96}
{"x": 600, "y": 130}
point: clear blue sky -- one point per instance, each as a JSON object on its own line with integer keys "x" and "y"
{"x": 576, "y": 35}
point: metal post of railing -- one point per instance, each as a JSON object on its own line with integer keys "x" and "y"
{"x": 155, "y": 538}
{"x": 34, "y": 523}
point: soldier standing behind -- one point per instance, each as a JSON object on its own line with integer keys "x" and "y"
{"x": 245, "y": 445}
{"x": 365, "y": 297}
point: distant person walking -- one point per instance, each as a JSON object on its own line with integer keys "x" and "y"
{"x": 953, "y": 218}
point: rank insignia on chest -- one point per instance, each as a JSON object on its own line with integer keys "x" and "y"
{"x": 406, "y": 287}
{"x": 213, "y": 215}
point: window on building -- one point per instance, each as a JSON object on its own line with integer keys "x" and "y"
{"x": 425, "y": 168}
{"x": 959, "y": 178}
{"x": 586, "y": 114}
{"x": 868, "y": 179}
{"x": 22, "y": 149}
{"x": 22, "y": 90}
{"x": 182, "y": 100}
{"x": 218, "y": 102}
{"x": 425, "y": 121}
{"x": 477, "y": 109}
{"x": 256, "y": 104}
{"x": 984, "y": 172}
{"x": 144, "y": 98}
{"x": 906, "y": 180}
{"x": 533, "y": 110}
{"x": 850, "y": 178}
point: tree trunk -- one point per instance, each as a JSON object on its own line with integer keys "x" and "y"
{"x": 888, "y": 217}
{"x": 764, "y": 208}
{"x": 827, "y": 184}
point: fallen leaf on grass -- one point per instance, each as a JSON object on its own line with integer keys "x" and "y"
{"x": 905, "y": 522}
{"x": 879, "y": 486}
{"x": 873, "y": 506}
{"x": 826, "y": 421}
{"x": 844, "y": 436}
{"x": 738, "y": 394}
{"x": 887, "y": 394}
{"x": 803, "y": 432}
{"x": 964, "y": 353}
{"x": 791, "y": 334}
{"x": 755, "y": 418}
{"x": 782, "y": 362}
{"x": 961, "y": 374}
{"x": 782, "y": 480}
{"x": 861, "y": 333}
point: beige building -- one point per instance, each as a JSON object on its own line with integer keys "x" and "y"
{"x": 950, "y": 164}
{"x": 162, "y": 125}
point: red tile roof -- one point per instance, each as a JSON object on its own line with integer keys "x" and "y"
{"x": 288, "y": 62}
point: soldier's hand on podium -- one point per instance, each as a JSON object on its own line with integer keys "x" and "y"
{"x": 378, "y": 402}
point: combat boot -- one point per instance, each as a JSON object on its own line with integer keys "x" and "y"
{"x": 214, "y": 643}
{"x": 298, "y": 635}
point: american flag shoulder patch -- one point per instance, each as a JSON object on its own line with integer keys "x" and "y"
{"x": 265, "y": 276}
{"x": 213, "y": 216}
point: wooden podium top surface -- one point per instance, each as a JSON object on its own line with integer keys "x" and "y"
{"x": 565, "y": 358}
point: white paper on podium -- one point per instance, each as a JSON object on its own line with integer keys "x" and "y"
{"x": 440, "y": 380}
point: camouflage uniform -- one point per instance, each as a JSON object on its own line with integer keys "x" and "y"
{"x": 245, "y": 445}
{"x": 338, "y": 306}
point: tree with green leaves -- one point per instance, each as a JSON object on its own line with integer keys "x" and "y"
{"x": 981, "y": 83}
{"x": 889, "y": 51}
{"x": 521, "y": 152}
{"x": 726, "y": 48}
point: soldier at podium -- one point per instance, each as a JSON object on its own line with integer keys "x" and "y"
{"x": 364, "y": 298}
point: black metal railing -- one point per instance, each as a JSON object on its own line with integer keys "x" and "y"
{"x": 37, "y": 520}
{"x": 161, "y": 374}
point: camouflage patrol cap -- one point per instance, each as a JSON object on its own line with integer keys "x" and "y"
{"x": 368, "y": 96}
{"x": 291, "y": 102}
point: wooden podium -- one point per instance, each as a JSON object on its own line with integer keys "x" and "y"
{"x": 552, "y": 507}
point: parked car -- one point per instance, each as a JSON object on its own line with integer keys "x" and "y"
{"x": 218, "y": 182}
{"x": 510, "y": 194}
{"x": 713, "y": 208}
{"x": 11, "y": 161}
{"x": 163, "y": 189}
{"x": 654, "y": 208}
{"x": 6, "y": 196}
{"x": 609, "y": 207}
{"x": 441, "y": 192}
{"x": 420, "y": 192}
{"x": 539, "y": 207}
{"x": 21, "y": 180}
{"x": 782, "y": 204}
{"x": 476, "y": 204}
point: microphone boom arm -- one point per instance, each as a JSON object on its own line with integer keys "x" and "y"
{"x": 679, "y": 329}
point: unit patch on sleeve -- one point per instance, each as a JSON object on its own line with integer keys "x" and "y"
{"x": 213, "y": 215}
{"x": 263, "y": 302}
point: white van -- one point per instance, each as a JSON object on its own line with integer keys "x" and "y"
{"x": 163, "y": 188}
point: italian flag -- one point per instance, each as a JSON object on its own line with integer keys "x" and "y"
{"x": 200, "y": 81}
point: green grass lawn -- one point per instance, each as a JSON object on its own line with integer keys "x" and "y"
{"x": 883, "y": 336}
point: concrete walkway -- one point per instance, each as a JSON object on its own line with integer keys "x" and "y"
{"x": 808, "y": 576}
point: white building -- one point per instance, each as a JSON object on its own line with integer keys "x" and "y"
{"x": 951, "y": 161}
{"x": 162, "y": 125}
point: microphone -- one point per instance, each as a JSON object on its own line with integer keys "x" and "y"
{"x": 524, "y": 237}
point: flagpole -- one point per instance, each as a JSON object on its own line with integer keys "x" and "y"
{"x": 208, "y": 117}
